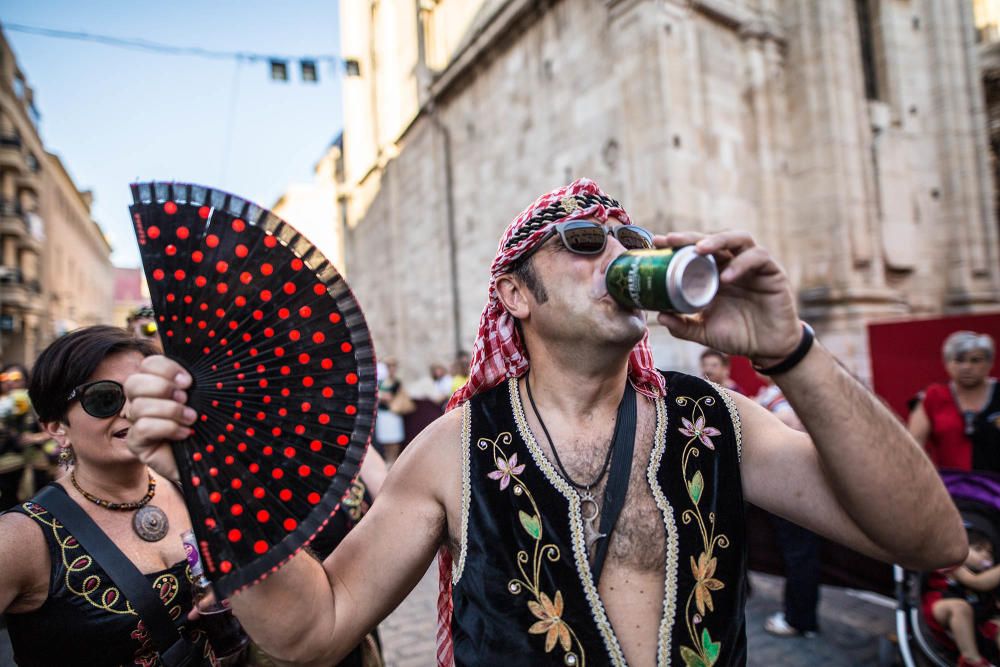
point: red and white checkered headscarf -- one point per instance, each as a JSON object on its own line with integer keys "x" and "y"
{"x": 499, "y": 352}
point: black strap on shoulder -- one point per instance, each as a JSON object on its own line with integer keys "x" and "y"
{"x": 621, "y": 469}
{"x": 174, "y": 650}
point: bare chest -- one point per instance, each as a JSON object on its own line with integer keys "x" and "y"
{"x": 637, "y": 542}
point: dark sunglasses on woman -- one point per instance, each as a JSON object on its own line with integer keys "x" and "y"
{"x": 586, "y": 237}
{"x": 101, "y": 399}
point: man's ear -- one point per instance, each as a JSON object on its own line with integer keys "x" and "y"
{"x": 57, "y": 430}
{"x": 513, "y": 295}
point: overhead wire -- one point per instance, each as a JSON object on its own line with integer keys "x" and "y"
{"x": 167, "y": 49}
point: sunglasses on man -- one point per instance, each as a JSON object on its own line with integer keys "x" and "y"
{"x": 101, "y": 399}
{"x": 586, "y": 237}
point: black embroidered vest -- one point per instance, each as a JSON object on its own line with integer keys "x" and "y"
{"x": 522, "y": 591}
{"x": 85, "y": 620}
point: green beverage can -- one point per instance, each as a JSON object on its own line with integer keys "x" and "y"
{"x": 663, "y": 279}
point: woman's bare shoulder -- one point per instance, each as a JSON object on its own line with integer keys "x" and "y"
{"x": 25, "y": 562}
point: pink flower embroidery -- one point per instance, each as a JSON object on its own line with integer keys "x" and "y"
{"x": 506, "y": 468}
{"x": 700, "y": 431}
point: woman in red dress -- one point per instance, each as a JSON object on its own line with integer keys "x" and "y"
{"x": 958, "y": 423}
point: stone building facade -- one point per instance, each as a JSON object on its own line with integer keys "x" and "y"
{"x": 849, "y": 136}
{"x": 55, "y": 264}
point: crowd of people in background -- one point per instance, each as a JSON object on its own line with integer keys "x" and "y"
{"x": 27, "y": 454}
{"x": 422, "y": 401}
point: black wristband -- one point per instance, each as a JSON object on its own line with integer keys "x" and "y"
{"x": 792, "y": 360}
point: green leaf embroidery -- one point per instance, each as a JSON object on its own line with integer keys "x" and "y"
{"x": 692, "y": 659}
{"x": 696, "y": 486}
{"x": 711, "y": 648}
{"x": 531, "y": 524}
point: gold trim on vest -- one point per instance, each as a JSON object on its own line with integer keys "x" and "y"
{"x": 670, "y": 526}
{"x": 459, "y": 567}
{"x": 576, "y": 526}
{"x": 734, "y": 415}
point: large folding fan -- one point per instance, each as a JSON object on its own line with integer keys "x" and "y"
{"x": 283, "y": 368}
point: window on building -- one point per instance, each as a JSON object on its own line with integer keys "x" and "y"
{"x": 869, "y": 50}
{"x": 342, "y": 204}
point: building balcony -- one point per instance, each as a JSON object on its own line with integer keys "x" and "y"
{"x": 30, "y": 242}
{"x": 18, "y": 293}
{"x": 29, "y": 180}
{"x": 13, "y": 221}
{"x": 10, "y": 152}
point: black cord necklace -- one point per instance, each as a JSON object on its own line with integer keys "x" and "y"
{"x": 590, "y": 510}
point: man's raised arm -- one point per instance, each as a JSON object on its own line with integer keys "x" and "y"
{"x": 307, "y": 613}
{"x": 857, "y": 478}
{"x": 861, "y": 479}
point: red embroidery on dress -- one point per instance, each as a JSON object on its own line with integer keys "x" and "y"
{"x": 145, "y": 655}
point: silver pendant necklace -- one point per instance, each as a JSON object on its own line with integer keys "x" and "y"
{"x": 590, "y": 509}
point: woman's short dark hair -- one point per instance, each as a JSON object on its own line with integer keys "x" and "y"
{"x": 71, "y": 360}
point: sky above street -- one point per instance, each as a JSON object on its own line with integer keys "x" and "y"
{"x": 118, "y": 115}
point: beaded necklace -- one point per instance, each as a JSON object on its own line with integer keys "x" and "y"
{"x": 149, "y": 523}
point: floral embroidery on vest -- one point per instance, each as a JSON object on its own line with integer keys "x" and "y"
{"x": 704, "y": 652}
{"x": 548, "y": 609}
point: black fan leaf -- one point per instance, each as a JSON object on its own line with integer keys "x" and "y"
{"x": 283, "y": 368}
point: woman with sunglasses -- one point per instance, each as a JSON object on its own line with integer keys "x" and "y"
{"x": 49, "y": 579}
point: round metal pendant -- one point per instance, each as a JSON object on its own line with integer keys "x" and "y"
{"x": 150, "y": 523}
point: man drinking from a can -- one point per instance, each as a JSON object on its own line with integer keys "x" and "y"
{"x": 587, "y": 508}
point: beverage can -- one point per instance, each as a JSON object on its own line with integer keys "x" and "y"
{"x": 192, "y": 554}
{"x": 663, "y": 279}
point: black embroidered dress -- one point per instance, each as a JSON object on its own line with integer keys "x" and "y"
{"x": 522, "y": 590}
{"x": 85, "y": 620}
